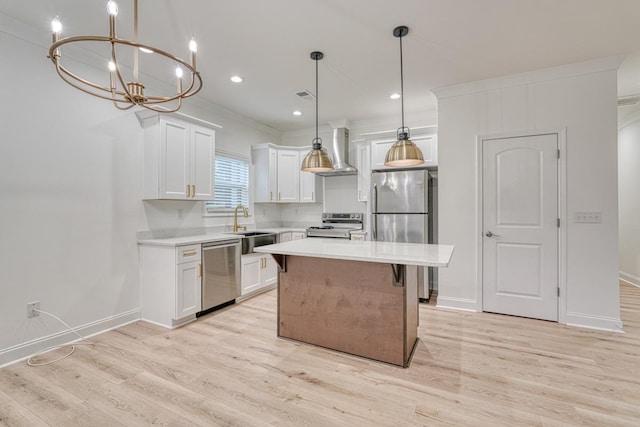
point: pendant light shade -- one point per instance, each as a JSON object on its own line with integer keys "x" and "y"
{"x": 317, "y": 160}
{"x": 403, "y": 152}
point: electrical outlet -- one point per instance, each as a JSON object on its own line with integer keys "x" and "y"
{"x": 30, "y": 309}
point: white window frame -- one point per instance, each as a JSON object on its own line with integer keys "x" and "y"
{"x": 220, "y": 212}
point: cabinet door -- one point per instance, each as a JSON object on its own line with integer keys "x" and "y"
{"x": 269, "y": 271}
{"x": 427, "y": 143}
{"x": 298, "y": 235}
{"x": 284, "y": 237}
{"x": 265, "y": 174}
{"x": 308, "y": 187}
{"x": 364, "y": 171}
{"x": 251, "y": 266}
{"x": 288, "y": 175}
{"x": 202, "y": 163}
{"x": 188, "y": 289}
{"x": 174, "y": 159}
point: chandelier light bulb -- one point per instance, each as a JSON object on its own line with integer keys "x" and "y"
{"x": 193, "y": 46}
{"x": 112, "y": 66}
{"x": 179, "y": 72}
{"x": 112, "y": 8}
{"x": 56, "y": 26}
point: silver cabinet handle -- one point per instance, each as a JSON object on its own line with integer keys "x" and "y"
{"x": 490, "y": 234}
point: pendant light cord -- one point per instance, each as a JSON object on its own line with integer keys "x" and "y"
{"x": 401, "y": 83}
{"x": 316, "y": 102}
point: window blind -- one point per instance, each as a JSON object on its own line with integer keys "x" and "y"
{"x": 231, "y": 185}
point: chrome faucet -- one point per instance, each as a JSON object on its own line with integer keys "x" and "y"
{"x": 236, "y": 227}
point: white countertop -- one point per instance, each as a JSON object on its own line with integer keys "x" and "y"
{"x": 358, "y": 250}
{"x": 203, "y": 238}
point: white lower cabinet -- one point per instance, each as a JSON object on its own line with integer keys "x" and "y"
{"x": 259, "y": 271}
{"x": 284, "y": 237}
{"x": 298, "y": 235}
{"x": 170, "y": 284}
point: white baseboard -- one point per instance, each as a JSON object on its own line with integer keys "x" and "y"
{"x": 457, "y": 303}
{"x": 23, "y": 351}
{"x": 629, "y": 278}
{"x": 594, "y": 322}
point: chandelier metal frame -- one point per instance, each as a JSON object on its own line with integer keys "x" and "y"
{"x": 129, "y": 94}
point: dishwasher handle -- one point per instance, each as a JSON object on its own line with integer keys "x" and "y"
{"x": 218, "y": 245}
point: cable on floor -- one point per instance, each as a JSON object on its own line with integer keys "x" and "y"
{"x": 30, "y": 361}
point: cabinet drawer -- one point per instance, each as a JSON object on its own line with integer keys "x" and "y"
{"x": 187, "y": 253}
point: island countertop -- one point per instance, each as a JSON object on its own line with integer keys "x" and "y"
{"x": 357, "y": 250}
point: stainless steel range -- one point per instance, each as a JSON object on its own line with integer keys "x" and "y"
{"x": 337, "y": 225}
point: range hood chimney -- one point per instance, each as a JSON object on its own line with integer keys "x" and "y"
{"x": 340, "y": 144}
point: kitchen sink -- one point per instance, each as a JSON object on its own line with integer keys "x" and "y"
{"x": 253, "y": 239}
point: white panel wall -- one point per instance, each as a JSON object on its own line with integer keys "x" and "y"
{"x": 629, "y": 180}
{"x": 581, "y": 99}
{"x": 70, "y": 203}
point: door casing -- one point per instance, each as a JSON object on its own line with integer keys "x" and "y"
{"x": 562, "y": 212}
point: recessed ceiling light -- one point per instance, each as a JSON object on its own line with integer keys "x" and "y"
{"x": 297, "y": 113}
{"x": 395, "y": 96}
{"x": 236, "y": 79}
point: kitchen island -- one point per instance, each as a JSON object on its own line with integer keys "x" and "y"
{"x": 359, "y": 297}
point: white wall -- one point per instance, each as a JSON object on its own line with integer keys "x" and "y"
{"x": 580, "y": 98}
{"x": 70, "y": 203}
{"x": 629, "y": 201}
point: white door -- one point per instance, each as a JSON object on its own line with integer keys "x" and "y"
{"x": 520, "y": 226}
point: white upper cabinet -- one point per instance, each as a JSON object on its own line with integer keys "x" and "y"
{"x": 277, "y": 176}
{"x": 428, "y": 144}
{"x": 288, "y": 175}
{"x": 310, "y": 186}
{"x": 265, "y": 176}
{"x": 364, "y": 170}
{"x": 178, "y": 159}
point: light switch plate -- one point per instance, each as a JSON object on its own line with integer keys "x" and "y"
{"x": 591, "y": 217}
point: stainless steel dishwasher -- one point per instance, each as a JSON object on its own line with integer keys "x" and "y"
{"x": 221, "y": 273}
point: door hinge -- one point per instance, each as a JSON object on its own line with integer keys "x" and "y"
{"x": 558, "y": 153}
{"x": 558, "y": 291}
{"x": 558, "y": 222}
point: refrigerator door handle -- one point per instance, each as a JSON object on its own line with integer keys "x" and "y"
{"x": 375, "y": 227}
{"x": 375, "y": 198}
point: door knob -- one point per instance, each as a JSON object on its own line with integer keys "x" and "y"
{"x": 490, "y": 234}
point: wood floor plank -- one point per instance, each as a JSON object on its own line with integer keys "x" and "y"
{"x": 229, "y": 368}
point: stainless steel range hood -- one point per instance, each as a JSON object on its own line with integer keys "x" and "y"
{"x": 341, "y": 164}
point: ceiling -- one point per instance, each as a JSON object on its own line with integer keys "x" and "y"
{"x": 268, "y": 43}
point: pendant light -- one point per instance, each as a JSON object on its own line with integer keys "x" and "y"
{"x": 403, "y": 152}
{"x": 317, "y": 160}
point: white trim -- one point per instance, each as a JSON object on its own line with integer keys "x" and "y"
{"x": 25, "y": 350}
{"x": 599, "y": 323}
{"x": 463, "y": 304}
{"x": 418, "y": 130}
{"x": 562, "y": 211}
{"x": 537, "y": 76}
{"x": 629, "y": 278}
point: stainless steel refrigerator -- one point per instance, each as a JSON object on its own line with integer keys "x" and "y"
{"x": 400, "y": 211}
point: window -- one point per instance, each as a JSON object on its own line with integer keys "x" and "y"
{"x": 231, "y": 185}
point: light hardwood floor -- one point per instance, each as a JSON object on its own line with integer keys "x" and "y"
{"x": 229, "y": 368}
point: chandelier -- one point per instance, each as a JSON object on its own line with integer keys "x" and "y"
{"x": 127, "y": 94}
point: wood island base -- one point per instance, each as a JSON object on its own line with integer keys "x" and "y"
{"x": 367, "y": 309}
